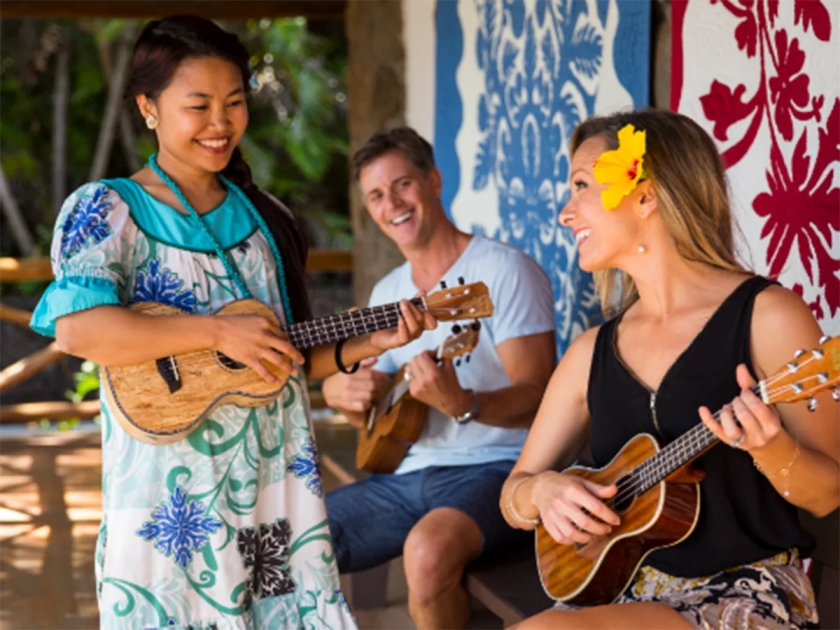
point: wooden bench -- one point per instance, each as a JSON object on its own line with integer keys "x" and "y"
{"x": 508, "y": 584}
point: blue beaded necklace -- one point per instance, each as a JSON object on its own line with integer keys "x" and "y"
{"x": 237, "y": 192}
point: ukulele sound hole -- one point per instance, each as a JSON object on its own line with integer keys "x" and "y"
{"x": 625, "y": 496}
{"x": 230, "y": 363}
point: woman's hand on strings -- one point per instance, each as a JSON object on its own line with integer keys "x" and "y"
{"x": 746, "y": 423}
{"x": 254, "y": 341}
{"x": 412, "y": 323}
{"x": 572, "y": 509}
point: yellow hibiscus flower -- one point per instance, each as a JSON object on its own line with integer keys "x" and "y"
{"x": 621, "y": 169}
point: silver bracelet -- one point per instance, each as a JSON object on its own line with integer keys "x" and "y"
{"x": 512, "y": 510}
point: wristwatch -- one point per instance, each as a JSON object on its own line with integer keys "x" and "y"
{"x": 472, "y": 414}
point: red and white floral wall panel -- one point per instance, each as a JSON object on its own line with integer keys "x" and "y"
{"x": 763, "y": 77}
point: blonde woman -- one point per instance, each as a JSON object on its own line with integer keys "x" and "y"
{"x": 692, "y": 332}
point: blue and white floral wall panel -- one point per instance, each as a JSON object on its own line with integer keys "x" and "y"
{"x": 513, "y": 79}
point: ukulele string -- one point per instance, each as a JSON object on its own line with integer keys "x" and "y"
{"x": 321, "y": 335}
{"x": 635, "y": 479}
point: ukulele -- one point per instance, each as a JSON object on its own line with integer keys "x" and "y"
{"x": 164, "y": 400}
{"x": 396, "y": 421}
{"x": 658, "y": 493}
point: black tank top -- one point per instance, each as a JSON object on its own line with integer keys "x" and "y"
{"x": 742, "y": 517}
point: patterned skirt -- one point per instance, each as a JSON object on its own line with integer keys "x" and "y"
{"x": 772, "y": 594}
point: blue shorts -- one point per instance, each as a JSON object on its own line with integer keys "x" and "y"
{"x": 370, "y": 519}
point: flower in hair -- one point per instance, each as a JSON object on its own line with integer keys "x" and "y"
{"x": 621, "y": 170}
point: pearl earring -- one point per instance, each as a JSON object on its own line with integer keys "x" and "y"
{"x": 642, "y": 249}
{"x": 151, "y": 122}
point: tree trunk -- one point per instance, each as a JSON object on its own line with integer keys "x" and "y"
{"x": 376, "y": 101}
{"x": 127, "y": 139}
{"x": 114, "y": 103}
{"x": 17, "y": 224}
{"x": 61, "y": 96}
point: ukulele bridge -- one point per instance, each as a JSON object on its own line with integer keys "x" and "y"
{"x": 168, "y": 370}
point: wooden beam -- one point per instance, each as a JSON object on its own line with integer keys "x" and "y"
{"x": 15, "y": 315}
{"x": 212, "y": 9}
{"x": 330, "y": 260}
{"x": 26, "y": 269}
{"x": 59, "y": 410}
{"x": 28, "y": 367}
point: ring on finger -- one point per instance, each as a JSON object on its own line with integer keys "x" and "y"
{"x": 408, "y": 375}
{"x": 737, "y": 441}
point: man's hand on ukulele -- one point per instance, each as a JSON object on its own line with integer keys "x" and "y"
{"x": 355, "y": 392}
{"x": 437, "y": 385}
{"x": 412, "y": 323}
{"x": 572, "y": 509}
{"x": 254, "y": 341}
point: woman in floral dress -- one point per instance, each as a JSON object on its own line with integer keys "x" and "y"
{"x": 227, "y": 527}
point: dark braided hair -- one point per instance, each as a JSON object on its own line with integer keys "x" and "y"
{"x": 160, "y": 48}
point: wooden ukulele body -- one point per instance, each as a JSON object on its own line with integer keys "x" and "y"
{"x": 148, "y": 410}
{"x": 163, "y": 400}
{"x": 384, "y": 442}
{"x": 599, "y": 571}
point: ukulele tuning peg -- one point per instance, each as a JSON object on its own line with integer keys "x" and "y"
{"x": 461, "y": 280}
{"x": 798, "y": 353}
{"x": 835, "y": 393}
{"x": 456, "y": 328}
{"x": 812, "y": 404}
{"x": 458, "y": 363}
{"x": 467, "y": 358}
{"x": 476, "y": 325}
{"x": 824, "y": 338}
{"x": 442, "y": 284}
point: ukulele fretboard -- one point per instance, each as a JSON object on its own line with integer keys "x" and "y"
{"x": 316, "y": 332}
{"x": 676, "y": 454}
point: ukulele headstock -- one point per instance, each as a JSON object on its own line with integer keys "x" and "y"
{"x": 462, "y": 341}
{"x": 465, "y": 301}
{"x": 809, "y": 373}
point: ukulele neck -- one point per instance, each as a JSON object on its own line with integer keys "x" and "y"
{"x": 332, "y": 328}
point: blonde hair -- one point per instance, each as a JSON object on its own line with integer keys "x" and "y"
{"x": 689, "y": 179}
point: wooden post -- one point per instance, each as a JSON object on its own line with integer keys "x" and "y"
{"x": 376, "y": 101}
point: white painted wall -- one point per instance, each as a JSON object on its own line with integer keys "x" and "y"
{"x": 419, "y": 35}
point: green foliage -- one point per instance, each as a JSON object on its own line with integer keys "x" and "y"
{"x": 87, "y": 381}
{"x": 296, "y": 142}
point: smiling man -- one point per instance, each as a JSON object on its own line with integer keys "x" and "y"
{"x": 440, "y": 508}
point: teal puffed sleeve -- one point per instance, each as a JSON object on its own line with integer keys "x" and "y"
{"x": 89, "y": 249}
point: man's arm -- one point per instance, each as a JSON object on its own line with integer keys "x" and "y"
{"x": 528, "y": 362}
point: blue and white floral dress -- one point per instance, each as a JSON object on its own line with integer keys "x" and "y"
{"x": 227, "y": 527}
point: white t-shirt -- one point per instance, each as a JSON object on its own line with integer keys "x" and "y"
{"x": 522, "y": 296}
